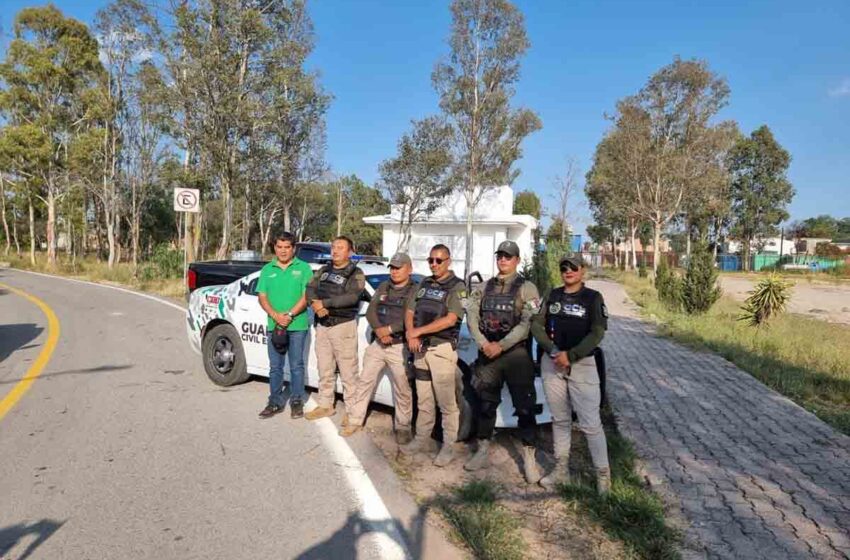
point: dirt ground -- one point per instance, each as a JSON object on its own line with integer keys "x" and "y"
{"x": 550, "y": 528}
{"x": 830, "y": 302}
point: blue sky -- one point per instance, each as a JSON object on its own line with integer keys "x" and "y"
{"x": 787, "y": 63}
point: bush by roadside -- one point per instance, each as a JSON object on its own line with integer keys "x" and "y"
{"x": 158, "y": 277}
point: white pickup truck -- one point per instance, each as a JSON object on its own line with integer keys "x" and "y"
{"x": 227, "y": 327}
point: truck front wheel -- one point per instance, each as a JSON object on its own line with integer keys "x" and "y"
{"x": 224, "y": 358}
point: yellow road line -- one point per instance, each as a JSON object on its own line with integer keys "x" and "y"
{"x": 34, "y": 371}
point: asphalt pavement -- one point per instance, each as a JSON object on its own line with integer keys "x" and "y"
{"x": 122, "y": 448}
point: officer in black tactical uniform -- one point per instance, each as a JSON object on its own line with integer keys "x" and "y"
{"x": 571, "y": 325}
{"x": 499, "y": 316}
{"x": 432, "y": 324}
{"x": 334, "y": 293}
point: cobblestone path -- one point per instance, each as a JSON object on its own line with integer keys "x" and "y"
{"x": 752, "y": 474}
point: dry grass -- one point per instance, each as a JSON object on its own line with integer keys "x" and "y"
{"x": 807, "y": 360}
{"x": 92, "y": 270}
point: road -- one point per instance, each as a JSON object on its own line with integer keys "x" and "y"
{"x": 830, "y": 302}
{"x": 122, "y": 448}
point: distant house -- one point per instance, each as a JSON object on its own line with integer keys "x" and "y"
{"x": 807, "y": 245}
{"x": 493, "y": 222}
{"x": 843, "y": 244}
{"x": 766, "y": 246}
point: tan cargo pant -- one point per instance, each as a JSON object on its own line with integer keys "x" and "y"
{"x": 336, "y": 346}
{"x": 580, "y": 392}
{"x": 376, "y": 357}
{"x": 441, "y": 390}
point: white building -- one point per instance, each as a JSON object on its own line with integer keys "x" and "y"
{"x": 493, "y": 222}
{"x": 766, "y": 246}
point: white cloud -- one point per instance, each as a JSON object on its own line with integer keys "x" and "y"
{"x": 842, "y": 90}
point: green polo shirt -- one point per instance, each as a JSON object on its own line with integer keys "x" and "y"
{"x": 284, "y": 287}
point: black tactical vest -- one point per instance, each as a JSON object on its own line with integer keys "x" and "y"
{"x": 500, "y": 312}
{"x": 332, "y": 283}
{"x": 391, "y": 307}
{"x": 568, "y": 316}
{"x": 432, "y": 303}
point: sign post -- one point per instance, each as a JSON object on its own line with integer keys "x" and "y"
{"x": 186, "y": 200}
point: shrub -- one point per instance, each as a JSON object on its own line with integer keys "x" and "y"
{"x": 166, "y": 262}
{"x": 768, "y": 299}
{"x": 642, "y": 270}
{"x": 669, "y": 286}
{"x": 699, "y": 288}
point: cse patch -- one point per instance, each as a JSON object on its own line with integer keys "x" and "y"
{"x": 569, "y": 309}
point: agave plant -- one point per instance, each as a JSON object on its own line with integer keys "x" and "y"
{"x": 769, "y": 298}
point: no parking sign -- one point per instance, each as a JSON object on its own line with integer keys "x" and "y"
{"x": 187, "y": 200}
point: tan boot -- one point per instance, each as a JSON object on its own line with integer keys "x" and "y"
{"x": 529, "y": 464}
{"x": 559, "y": 475}
{"x": 481, "y": 458}
{"x": 319, "y": 412}
{"x": 445, "y": 456}
{"x": 419, "y": 445}
{"x": 349, "y": 430}
{"x": 344, "y": 422}
{"x": 603, "y": 480}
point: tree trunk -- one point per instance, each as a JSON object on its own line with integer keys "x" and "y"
{"x": 633, "y": 233}
{"x": 467, "y": 260}
{"x": 84, "y": 226}
{"x": 3, "y": 210}
{"x": 15, "y": 229}
{"x": 745, "y": 252}
{"x": 197, "y": 221}
{"x": 656, "y": 245}
{"x": 688, "y": 238}
{"x": 226, "y": 219}
{"x": 51, "y": 228}
{"x": 32, "y": 232}
{"x": 246, "y": 217}
{"x": 110, "y": 241}
{"x": 339, "y": 208}
{"x": 69, "y": 236}
{"x": 287, "y": 217}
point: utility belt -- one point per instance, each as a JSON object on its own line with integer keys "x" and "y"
{"x": 333, "y": 320}
{"x": 397, "y": 338}
{"x": 431, "y": 340}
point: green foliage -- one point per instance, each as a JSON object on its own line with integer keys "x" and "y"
{"x": 482, "y": 523}
{"x": 642, "y": 270}
{"x": 699, "y": 288}
{"x": 668, "y": 286}
{"x": 769, "y": 299}
{"x": 166, "y": 262}
{"x": 555, "y": 251}
{"x": 760, "y": 189}
{"x": 828, "y": 250}
{"x": 559, "y": 232}
{"x": 527, "y": 202}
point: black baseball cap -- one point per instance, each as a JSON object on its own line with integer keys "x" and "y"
{"x": 509, "y": 248}
{"x": 574, "y": 260}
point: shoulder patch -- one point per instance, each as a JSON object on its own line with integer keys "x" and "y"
{"x": 554, "y": 307}
{"x": 533, "y": 305}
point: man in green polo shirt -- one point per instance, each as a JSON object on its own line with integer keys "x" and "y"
{"x": 281, "y": 291}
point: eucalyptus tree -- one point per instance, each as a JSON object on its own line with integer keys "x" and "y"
{"x": 476, "y": 84}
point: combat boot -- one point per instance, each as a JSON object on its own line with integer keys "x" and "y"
{"x": 418, "y": 445}
{"x": 603, "y": 480}
{"x": 319, "y": 412}
{"x": 481, "y": 458}
{"x": 529, "y": 464}
{"x": 403, "y": 435}
{"x": 445, "y": 456}
{"x": 559, "y": 475}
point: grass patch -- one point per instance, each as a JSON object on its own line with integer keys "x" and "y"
{"x": 89, "y": 268}
{"x": 478, "y": 520}
{"x": 807, "y": 360}
{"x": 630, "y": 513}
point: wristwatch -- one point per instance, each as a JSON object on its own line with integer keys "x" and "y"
{"x": 290, "y": 315}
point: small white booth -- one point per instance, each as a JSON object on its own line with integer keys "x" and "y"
{"x": 493, "y": 222}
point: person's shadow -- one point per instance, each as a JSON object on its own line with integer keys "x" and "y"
{"x": 13, "y": 534}
{"x": 343, "y": 543}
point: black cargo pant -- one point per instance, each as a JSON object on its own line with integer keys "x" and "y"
{"x": 515, "y": 368}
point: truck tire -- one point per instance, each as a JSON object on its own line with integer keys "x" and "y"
{"x": 224, "y": 358}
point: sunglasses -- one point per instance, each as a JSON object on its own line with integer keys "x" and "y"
{"x": 503, "y": 257}
{"x": 436, "y": 260}
{"x": 570, "y": 267}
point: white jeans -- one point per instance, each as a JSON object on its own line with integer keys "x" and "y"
{"x": 580, "y": 392}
